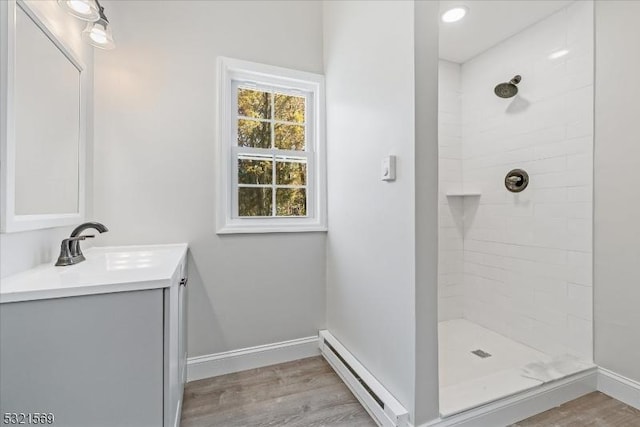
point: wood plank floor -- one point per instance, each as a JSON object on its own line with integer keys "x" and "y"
{"x": 307, "y": 393}
{"x": 303, "y": 393}
{"x": 593, "y": 410}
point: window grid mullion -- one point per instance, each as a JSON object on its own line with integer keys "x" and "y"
{"x": 274, "y": 120}
{"x": 292, "y": 186}
{"x": 271, "y": 185}
{"x": 273, "y": 157}
{"x": 288, "y": 155}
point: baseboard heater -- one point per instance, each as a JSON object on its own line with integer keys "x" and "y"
{"x": 378, "y": 402}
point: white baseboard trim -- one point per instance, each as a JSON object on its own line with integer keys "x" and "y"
{"x": 512, "y": 409}
{"x": 213, "y": 365}
{"x": 621, "y": 388}
{"x": 385, "y": 410}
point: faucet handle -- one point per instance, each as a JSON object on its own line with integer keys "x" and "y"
{"x": 74, "y": 239}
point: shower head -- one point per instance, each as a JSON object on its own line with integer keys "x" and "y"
{"x": 508, "y": 90}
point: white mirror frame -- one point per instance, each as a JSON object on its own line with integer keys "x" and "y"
{"x": 9, "y": 221}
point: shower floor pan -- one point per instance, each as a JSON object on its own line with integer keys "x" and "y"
{"x": 478, "y": 366}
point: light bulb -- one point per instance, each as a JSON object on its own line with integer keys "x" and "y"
{"x": 79, "y": 6}
{"x": 87, "y": 10}
{"x": 99, "y": 34}
{"x": 455, "y": 14}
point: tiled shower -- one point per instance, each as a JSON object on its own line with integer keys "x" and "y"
{"x": 519, "y": 264}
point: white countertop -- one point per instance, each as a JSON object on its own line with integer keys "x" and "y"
{"x": 106, "y": 270}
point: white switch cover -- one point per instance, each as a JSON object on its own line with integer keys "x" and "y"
{"x": 389, "y": 168}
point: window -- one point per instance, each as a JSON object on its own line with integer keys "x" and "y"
{"x": 271, "y": 149}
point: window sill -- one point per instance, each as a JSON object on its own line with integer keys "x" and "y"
{"x": 272, "y": 229}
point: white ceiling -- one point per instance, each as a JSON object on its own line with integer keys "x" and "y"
{"x": 488, "y": 22}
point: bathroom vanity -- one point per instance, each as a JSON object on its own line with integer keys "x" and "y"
{"x": 100, "y": 343}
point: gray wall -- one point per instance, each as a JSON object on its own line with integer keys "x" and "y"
{"x": 25, "y": 250}
{"x": 155, "y": 161}
{"x": 617, "y": 198}
{"x": 369, "y": 67}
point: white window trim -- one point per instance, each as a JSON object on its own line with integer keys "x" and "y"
{"x": 233, "y": 70}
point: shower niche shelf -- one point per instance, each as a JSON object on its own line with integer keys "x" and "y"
{"x": 463, "y": 194}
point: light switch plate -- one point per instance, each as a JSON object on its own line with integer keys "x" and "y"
{"x": 388, "y": 168}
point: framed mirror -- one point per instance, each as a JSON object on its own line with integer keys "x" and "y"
{"x": 43, "y": 124}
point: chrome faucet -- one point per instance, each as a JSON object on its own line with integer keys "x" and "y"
{"x": 70, "y": 252}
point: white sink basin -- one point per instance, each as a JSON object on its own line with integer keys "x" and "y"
{"x": 106, "y": 269}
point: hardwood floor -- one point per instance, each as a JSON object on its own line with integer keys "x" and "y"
{"x": 307, "y": 393}
{"x": 593, "y": 410}
{"x": 303, "y": 393}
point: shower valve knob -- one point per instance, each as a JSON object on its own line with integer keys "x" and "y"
{"x": 516, "y": 180}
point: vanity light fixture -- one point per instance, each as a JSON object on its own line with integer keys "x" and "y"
{"x": 454, "y": 14}
{"x": 98, "y": 33}
{"x": 87, "y": 10}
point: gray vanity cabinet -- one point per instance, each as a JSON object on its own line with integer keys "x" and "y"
{"x": 94, "y": 360}
{"x": 110, "y": 359}
{"x": 175, "y": 346}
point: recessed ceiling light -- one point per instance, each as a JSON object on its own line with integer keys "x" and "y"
{"x": 455, "y": 14}
{"x": 558, "y": 54}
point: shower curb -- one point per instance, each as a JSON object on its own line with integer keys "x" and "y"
{"x": 522, "y": 405}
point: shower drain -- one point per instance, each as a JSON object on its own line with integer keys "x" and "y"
{"x": 481, "y": 353}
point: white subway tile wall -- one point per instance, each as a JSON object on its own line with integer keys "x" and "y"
{"x": 450, "y": 244}
{"x": 526, "y": 257}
